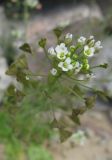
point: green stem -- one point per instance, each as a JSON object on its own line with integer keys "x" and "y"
{"x": 35, "y": 75}
{"x": 78, "y": 81}
{"x": 95, "y": 67}
{"x": 25, "y": 16}
{"x": 46, "y": 54}
{"x": 72, "y": 91}
{"x": 86, "y": 86}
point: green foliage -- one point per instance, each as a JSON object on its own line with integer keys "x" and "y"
{"x": 105, "y": 65}
{"x": 38, "y": 153}
{"x": 5, "y": 131}
{"x": 58, "y": 32}
{"x": 13, "y": 150}
{"x": 26, "y": 48}
{"x": 16, "y": 151}
{"x": 42, "y": 43}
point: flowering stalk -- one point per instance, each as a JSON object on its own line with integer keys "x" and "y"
{"x": 69, "y": 62}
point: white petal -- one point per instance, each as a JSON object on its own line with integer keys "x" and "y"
{"x": 92, "y": 49}
{"x": 62, "y": 45}
{"x": 27, "y": 78}
{"x": 65, "y": 69}
{"x": 68, "y": 60}
{"x": 61, "y": 48}
{"x": 57, "y": 49}
{"x": 86, "y": 48}
{"x": 51, "y": 51}
{"x": 77, "y": 65}
{"x": 69, "y": 36}
{"x": 82, "y": 40}
{"x": 60, "y": 64}
{"x": 98, "y": 45}
{"x": 70, "y": 66}
{"x": 91, "y": 37}
{"x": 53, "y": 71}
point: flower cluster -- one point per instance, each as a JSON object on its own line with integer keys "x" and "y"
{"x": 73, "y": 58}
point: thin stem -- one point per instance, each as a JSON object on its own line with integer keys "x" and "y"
{"x": 53, "y": 111}
{"x": 25, "y": 16}
{"x": 46, "y": 53}
{"x": 95, "y": 67}
{"x": 86, "y": 86}
{"x": 35, "y": 75}
{"x": 72, "y": 91}
{"x": 78, "y": 81}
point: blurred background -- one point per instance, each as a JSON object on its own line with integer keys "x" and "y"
{"x": 29, "y": 20}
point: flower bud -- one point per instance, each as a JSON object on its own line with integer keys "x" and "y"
{"x": 68, "y": 38}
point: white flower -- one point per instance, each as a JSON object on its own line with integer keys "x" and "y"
{"x": 51, "y": 51}
{"x": 69, "y": 36}
{"x": 82, "y": 40}
{"x": 66, "y": 65}
{"x": 91, "y": 37}
{"x": 79, "y": 137}
{"x": 61, "y": 51}
{"x": 27, "y": 78}
{"x": 98, "y": 45}
{"x": 89, "y": 51}
{"x": 53, "y": 71}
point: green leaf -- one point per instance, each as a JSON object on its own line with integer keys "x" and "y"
{"x": 101, "y": 94}
{"x": 75, "y": 117}
{"x": 19, "y": 95}
{"x": 75, "y": 113}
{"x": 42, "y": 42}
{"x": 90, "y": 101}
{"x": 20, "y": 63}
{"x": 64, "y": 134}
{"x": 58, "y": 31}
{"x": 54, "y": 124}
{"x": 105, "y": 65}
{"x": 11, "y": 70}
{"x": 26, "y": 48}
{"x": 78, "y": 111}
{"x": 11, "y": 90}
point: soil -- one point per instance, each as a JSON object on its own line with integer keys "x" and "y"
{"x": 98, "y": 144}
